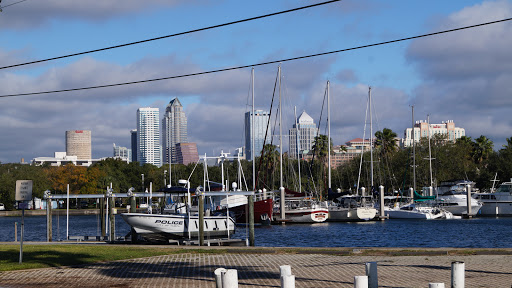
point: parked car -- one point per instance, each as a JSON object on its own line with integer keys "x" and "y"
{"x": 2, "y": 206}
{"x": 84, "y": 204}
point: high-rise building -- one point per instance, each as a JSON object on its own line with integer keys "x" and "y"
{"x": 446, "y": 130}
{"x": 148, "y": 136}
{"x": 307, "y": 131}
{"x": 174, "y": 129}
{"x": 133, "y": 135}
{"x": 186, "y": 153}
{"x": 260, "y": 125}
{"x": 78, "y": 143}
{"x": 122, "y": 153}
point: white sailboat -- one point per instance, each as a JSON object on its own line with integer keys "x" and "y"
{"x": 414, "y": 210}
{"x": 351, "y": 207}
{"x": 295, "y": 209}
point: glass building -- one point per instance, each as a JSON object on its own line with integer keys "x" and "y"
{"x": 307, "y": 131}
{"x": 260, "y": 124}
{"x": 148, "y": 136}
{"x": 174, "y": 129}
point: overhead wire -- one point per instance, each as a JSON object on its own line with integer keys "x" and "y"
{"x": 170, "y": 35}
{"x": 261, "y": 63}
{"x": 5, "y": 6}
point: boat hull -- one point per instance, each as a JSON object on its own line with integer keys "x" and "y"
{"x": 262, "y": 212}
{"x": 341, "y": 214}
{"x": 168, "y": 226}
{"x": 307, "y": 215}
{"x": 495, "y": 209}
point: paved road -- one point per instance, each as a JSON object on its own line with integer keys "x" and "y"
{"x": 262, "y": 270}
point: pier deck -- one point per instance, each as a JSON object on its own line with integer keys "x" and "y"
{"x": 259, "y": 267}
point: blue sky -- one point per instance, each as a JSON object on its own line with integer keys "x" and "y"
{"x": 461, "y": 76}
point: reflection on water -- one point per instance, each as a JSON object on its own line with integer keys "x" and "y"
{"x": 463, "y": 233}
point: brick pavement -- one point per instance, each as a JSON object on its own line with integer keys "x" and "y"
{"x": 262, "y": 270}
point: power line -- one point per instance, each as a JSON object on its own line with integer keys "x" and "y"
{"x": 258, "y": 64}
{"x": 171, "y": 35}
{"x": 3, "y": 7}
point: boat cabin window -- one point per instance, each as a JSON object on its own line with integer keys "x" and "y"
{"x": 507, "y": 188}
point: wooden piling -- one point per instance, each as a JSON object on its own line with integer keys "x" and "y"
{"x": 49, "y": 220}
{"x": 112, "y": 219}
{"x": 251, "y": 220}
{"x": 102, "y": 218}
{"x": 201, "y": 220}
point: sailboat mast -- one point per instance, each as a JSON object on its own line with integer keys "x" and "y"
{"x": 429, "y": 152}
{"x": 297, "y": 143}
{"x": 413, "y": 153}
{"x": 371, "y": 136}
{"x": 328, "y": 136}
{"x": 280, "y": 131}
{"x": 252, "y": 135}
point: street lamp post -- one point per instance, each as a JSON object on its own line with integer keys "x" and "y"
{"x": 142, "y": 182}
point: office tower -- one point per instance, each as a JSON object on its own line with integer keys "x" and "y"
{"x": 260, "y": 125}
{"x": 133, "y": 135}
{"x": 186, "y": 153}
{"x": 307, "y": 131}
{"x": 148, "y": 136}
{"x": 122, "y": 153}
{"x": 174, "y": 129}
{"x": 78, "y": 143}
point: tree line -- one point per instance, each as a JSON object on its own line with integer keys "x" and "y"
{"x": 466, "y": 158}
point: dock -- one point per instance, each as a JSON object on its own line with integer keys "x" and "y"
{"x": 259, "y": 267}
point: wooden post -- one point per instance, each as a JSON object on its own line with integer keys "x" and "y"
{"x": 102, "y": 217}
{"x": 201, "y": 220}
{"x": 112, "y": 219}
{"x": 382, "y": 215}
{"x": 49, "y": 220}
{"x": 468, "y": 191}
{"x": 251, "y": 220}
{"x": 133, "y": 205}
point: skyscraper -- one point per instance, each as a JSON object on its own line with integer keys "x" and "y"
{"x": 78, "y": 143}
{"x": 260, "y": 125}
{"x": 148, "y": 136}
{"x": 307, "y": 131}
{"x": 174, "y": 129}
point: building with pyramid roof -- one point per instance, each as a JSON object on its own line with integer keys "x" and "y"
{"x": 306, "y": 131}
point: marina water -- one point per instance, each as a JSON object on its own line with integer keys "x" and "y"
{"x": 461, "y": 233}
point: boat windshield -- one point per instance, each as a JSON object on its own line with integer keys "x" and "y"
{"x": 505, "y": 188}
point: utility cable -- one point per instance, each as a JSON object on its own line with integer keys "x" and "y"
{"x": 171, "y": 35}
{"x": 261, "y": 63}
{"x": 5, "y": 6}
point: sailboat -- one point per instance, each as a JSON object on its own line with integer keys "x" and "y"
{"x": 295, "y": 209}
{"x": 416, "y": 210}
{"x": 350, "y": 208}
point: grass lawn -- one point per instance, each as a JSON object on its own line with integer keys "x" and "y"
{"x": 42, "y": 256}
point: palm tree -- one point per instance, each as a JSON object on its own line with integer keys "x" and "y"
{"x": 509, "y": 144}
{"x": 385, "y": 141}
{"x": 320, "y": 147}
{"x": 269, "y": 159}
{"x": 482, "y": 148}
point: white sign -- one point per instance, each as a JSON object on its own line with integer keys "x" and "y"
{"x": 23, "y": 190}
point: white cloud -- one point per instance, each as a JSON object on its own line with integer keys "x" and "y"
{"x": 467, "y": 73}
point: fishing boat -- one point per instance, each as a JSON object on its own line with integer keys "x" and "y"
{"x": 497, "y": 203}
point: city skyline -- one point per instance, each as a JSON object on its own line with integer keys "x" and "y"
{"x": 456, "y": 75}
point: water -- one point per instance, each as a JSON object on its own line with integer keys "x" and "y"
{"x": 463, "y": 233}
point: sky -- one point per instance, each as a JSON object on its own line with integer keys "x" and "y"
{"x": 461, "y": 76}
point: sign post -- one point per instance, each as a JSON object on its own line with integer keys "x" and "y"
{"x": 23, "y": 194}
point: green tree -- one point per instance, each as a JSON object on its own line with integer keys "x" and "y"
{"x": 385, "y": 141}
{"x": 482, "y": 148}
